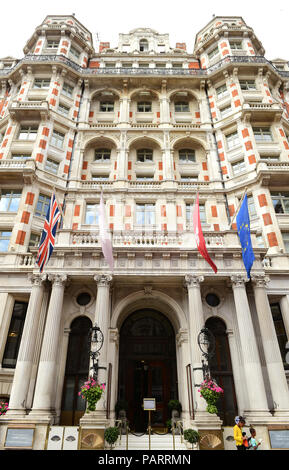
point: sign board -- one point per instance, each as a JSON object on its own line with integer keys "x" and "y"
{"x": 55, "y": 438}
{"x": 70, "y": 439}
{"x": 149, "y": 404}
{"x": 19, "y": 437}
{"x": 279, "y": 438}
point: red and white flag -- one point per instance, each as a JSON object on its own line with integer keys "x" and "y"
{"x": 105, "y": 235}
{"x": 201, "y": 244}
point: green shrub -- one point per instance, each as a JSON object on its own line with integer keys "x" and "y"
{"x": 175, "y": 405}
{"x": 111, "y": 435}
{"x": 191, "y": 436}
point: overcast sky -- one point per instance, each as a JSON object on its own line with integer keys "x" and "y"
{"x": 182, "y": 19}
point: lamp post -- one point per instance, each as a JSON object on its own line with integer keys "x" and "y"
{"x": 206, "y": 342}
{"x": 95, "y": 340}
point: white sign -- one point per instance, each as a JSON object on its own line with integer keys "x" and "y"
{"x": 149, "y": 404}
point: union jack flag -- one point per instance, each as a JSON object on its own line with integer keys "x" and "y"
{"x": 47, "y": 241}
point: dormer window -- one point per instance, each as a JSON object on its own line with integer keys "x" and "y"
{"x": 143, "y": 45}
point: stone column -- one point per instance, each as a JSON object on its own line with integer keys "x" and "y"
{"x": 46, "y": 379}
{"x": 274, "y": 362}
{"x": 196, "y": 323}
{"x": 22, "y": 374}
{"x": 102, "y": 320}
{"x": 183, "y": 354}
{"x": 284, "y": 306}
{"x": 257, "y": 400}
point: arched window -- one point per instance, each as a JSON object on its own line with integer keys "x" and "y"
{"x": 221, "y": 371}
{"x": 143, "y": 45}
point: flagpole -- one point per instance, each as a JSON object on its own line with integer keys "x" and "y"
{"x": 237, "y": 210}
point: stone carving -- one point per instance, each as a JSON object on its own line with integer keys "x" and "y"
{"x": 58, "y": 279}
{"x": 37, "y": 279}
{"x": 103, "y": 279}
{"x": 238, "y": 280}
{"x": 260, "y": 280}
{"x": 193, "y": 281}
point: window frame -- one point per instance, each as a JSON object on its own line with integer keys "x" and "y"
{"x": 186, "y": 153}
{"x": 10, "y": 200}
{"x": 261, "y": 132}
{"x": 5, "y": 238}
{"x": 31, "y": 131}
{"x": 102, "y": 152}
{"x": 106, "y": 106}
{"x": 57, "y": 139}
{"x": 44, "y": 202}
{"x": 145, "y": 105}
{"x": 146, "y": 155}
{"x": 148, "y": 214}
{"x": 182, "y": 106}
{"x": 94, "y": 214}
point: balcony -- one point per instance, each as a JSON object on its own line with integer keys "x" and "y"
{"x": 28, "y": 109}
{"x": 18, "y": 169}
{"x": 273, "y": 173}
{"x": 259, "y": 111}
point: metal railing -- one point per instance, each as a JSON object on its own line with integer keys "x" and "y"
{"x": 143, "y": 71}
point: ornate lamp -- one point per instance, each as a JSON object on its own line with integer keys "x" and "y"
{"x": 206, "y": 342}
{"x": 95, "y": 340}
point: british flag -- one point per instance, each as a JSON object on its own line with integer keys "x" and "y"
{"x": 47, "y": 241}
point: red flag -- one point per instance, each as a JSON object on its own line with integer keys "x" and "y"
{"x": 201, "y": 244}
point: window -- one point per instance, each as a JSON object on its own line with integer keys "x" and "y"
{"x": 177, "y": 65}
{"x": 189, "y": 209}
{"x": 232, "y": 140}
{"x": 238, "y": 167}
{"x": 63, "y": 109}
{"x": 20, "y": 156}
{"x": 43, "y": 83}
{"x": 262, "y": 134}
{"x": 145, "y": 214}
{"x": 75, "y": 52}
{"x": 251, "y": 207}
{"x": 280, "y": 202}
{"x": 144, "y": 107}
{"x": 127, "y": 65}
{"x": 161, "y": 65}
{"x": 270, "y": 158}
{"x": 52, "y": 166}
{"x": 14, "y": 334}
{"x": 189, "y": 178}
{"x": 226, "y": 110}
{"x": 144, "y": 155}
{"x": 285, "y": 236}
{"x": 110, "y": 65}
{"x": 248, "y": 85}
{"x": 10, "y": 199}
{"x": 100, "y": 177}
{"x": 67, "y": 90}
{"x": 213, "y": 53}
{"x": 91, "y": 214}
{"x": 34, "y": 241}
{"x": 187, "y": 156}
{"x": 143, "y": 45}
{"x": 222, "y": 91}
{"x": 102, "y": 155}
{"x": 27, "y": 133}
{"x": 280, "y": 332}
{"x": 4, "y": 240}
{"x": 42, "y": 205}
{"x": 260, "y": 241}
{"x": 144, "y": 177}
{"x": 236, "y": 46}
{"x": 182, "y": 107}
{"x": 57, "y": 139}
{"x": 144, "y": 65}
{"x": 52, "y": 44}
{"x": 106, "y": 106}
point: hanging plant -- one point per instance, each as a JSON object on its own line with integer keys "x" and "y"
{"x": 211, "y": 392}
{"x": 3, "y": 408}
{"x": 91, "y": 391}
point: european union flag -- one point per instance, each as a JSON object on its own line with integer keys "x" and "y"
{"x": 243, "y": 226}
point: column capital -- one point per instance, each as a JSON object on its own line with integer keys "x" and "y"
{"x": 103, "y": 279}
{"x": 260, "y": 280}
{"x": 58, "y": 279}
{"x": 238, "y": 280}
{"x": 37, "y": 279}
{"x": 193, "y": 281}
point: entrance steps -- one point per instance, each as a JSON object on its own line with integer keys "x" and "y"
{"x": 158, "y": 442}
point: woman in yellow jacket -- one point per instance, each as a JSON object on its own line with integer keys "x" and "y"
{"x": 239, "y": 438}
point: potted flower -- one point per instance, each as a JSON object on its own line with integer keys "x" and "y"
{"x": 192, "y": 436}
{"x": 91, "y": 391}
{"x": 111, "y": 435}
{"x": 3, "y": 408}
{"x": 211, "y": 392}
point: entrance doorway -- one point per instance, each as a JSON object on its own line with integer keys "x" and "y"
{"x": 147, "y": 367}
{"x": 76, "y": 372}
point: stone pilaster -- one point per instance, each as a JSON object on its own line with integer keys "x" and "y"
{"x": 22, "y": 375}
{"x": 275, "y": 368}
{"x": 257, "y": 400}
{"x": 46, "y": 379}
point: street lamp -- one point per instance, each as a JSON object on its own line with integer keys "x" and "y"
{"x": 206, "y": 342}
{"x": 95, "y": 340}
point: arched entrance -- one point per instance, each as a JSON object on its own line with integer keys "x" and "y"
{"x": 221, "y": 370}
{"x": 76, "y": 372}
{"x": 147, "y": 366}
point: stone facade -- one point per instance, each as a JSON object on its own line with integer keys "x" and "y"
{"x": 151, "y": 125}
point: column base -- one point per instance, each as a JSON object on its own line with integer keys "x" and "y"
{"x": 257, "y": 417}
{"x": 205, "y": 420}
{"x": 96, "y": 419}
{"x": 15, "y": 414}
{"x": 43, "y": 416}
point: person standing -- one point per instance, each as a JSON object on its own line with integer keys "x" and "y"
{"x": 238, "y": 435}
{"x": 253, "y": 441}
